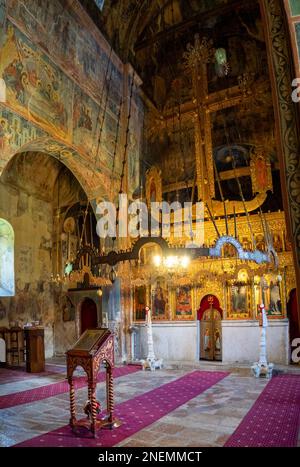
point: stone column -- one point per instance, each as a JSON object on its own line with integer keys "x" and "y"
{"x": 286, "y": 113}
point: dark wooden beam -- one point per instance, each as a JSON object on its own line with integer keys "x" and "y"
{"x": 198, "y": 18}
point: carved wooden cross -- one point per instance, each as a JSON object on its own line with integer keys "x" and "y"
{"x": 197, "y": 58}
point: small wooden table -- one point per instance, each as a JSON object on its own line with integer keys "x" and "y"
{"x": 94, "y": 347}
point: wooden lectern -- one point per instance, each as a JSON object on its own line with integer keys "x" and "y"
{"x": 94, "y": 347}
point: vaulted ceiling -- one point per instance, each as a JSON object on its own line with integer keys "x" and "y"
{"x": 154, "y": 36}
{"x": 37, "y": 174}
{"x": 132, "y": 24}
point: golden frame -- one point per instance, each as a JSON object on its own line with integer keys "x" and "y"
{"x": 163, "y": 299}
{"x": 173, "y": 297}
{"x": 139, "y": 315}
{"x": 258, "y": 298}
{"x": 231, "y": 312}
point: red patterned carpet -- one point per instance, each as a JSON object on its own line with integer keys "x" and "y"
{"x": 50, "y": 390}
{"x": 12, "y": 375}
{"x": 273, "y": 421}
{"x": 135, "y": 414}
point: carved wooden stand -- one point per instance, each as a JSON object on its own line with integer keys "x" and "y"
{"x": 93, "y": 348}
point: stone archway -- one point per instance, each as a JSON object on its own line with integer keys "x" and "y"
{"x": 30, "y": 182}
{"x": 93, "y": 183}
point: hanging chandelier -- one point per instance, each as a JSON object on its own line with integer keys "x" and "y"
{"x": 171, "y": 262}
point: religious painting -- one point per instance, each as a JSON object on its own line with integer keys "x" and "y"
{"x": 261, "y": 175}
{"x": 134, "y": 146}
{"x": 160, "y": 300}
{"x": 153, "y": 185}
{"x": 277, "y": 242}
{"x": 87, "y": 128}
{"x": 85, "y": 112}
{"x": 68, "y": 40}
{"x": 239, "y": 300}
{"x": 270, "y": 292}
{"x": 15, "y": 131}
{"x": 140, "y": 303}
{"x": 229, "y": 251}
{"x": 260, "y": 243}
{"x": 34, "y": 85}
{"x": 68, "y": 312}
{"x": 183, "y": 303}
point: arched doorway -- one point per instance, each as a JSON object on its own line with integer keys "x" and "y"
{"x": 88, "y": 315}
{"x": 210, "y": 316}
{"x": 49, "y": 208}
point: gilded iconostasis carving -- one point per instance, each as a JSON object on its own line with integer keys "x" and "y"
{"x": 238, "y": 104}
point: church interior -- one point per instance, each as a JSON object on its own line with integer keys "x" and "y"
{"x": 175, "y": 321}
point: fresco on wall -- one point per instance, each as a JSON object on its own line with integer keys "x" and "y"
{"x": 15, "y": 131}
{"x": 91, "y": 128}
{"x": 3, "y": 311}
{"x": 85, "y": 116}
{"x": 297, "y": 29}
{"x": 20, "y": 168}
{"x": 2, "y": 12}
{"x": 66, "y": 40}
{"x": 135, "y": 141}
{"x": 106, "y": 148}
{"x": 32, "y": 303}
{"x": 42, "y": 93}
{"x": 95, "y": 183}
{"x": 68, "y": 310}
{"x": 35, "y": 86}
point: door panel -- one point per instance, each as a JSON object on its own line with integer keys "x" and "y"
{"x": 210, "y": 335}
{"x": 89, "y": 319}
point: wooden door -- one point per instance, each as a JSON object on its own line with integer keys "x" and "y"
{"x": 88, "y": 314}
{"x": 210, "y": 335}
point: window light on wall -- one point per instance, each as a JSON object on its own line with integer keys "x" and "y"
{"x": 7, "y": 266}
{"x": 100, "y": 4}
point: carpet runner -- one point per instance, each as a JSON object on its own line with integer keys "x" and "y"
{"x": 12, "y": 375}
{"x": 273, "y": 421}
{"x": 135, "y": 414}
{"x": 50, "y": 390}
